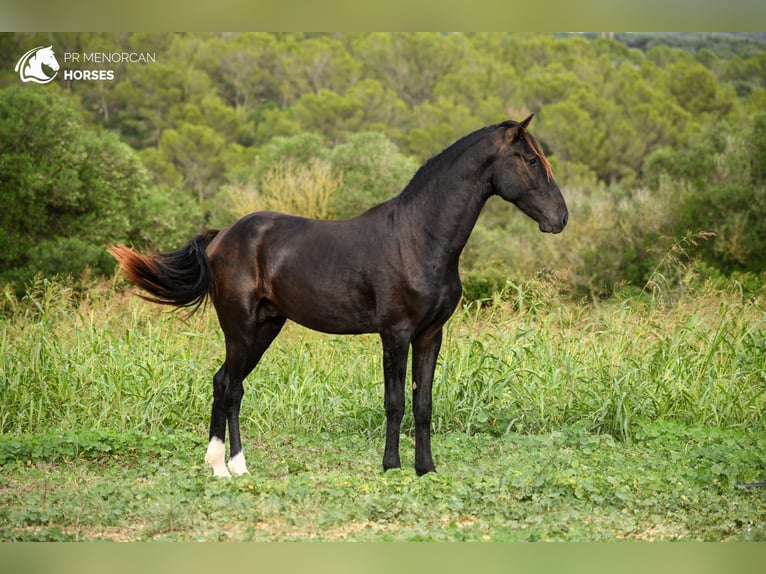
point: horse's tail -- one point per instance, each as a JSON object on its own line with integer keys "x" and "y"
{"x": 182, "y": 278}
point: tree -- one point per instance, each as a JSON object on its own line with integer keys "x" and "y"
{"x": 490, "y": 88}
{"x": 696, "y": 89}
{"x": 195, "y": 151}
{"x": 438, "y": 124}
{"x": 365, "y": 106}
{"x": 373, "y": 170}
{"x": 148, "y": 95}
{"x": 245, "y": 68}
{"x": 313, "y": 65}
{"x": 411, "y": 64}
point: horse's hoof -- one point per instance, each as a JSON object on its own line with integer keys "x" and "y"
{"x": 214, "y": 457}
{"x": 390, "y": 466}
{"x": 237, "y": 465}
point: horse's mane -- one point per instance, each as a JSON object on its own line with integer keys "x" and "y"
{"x": 451, "y": 153}
{"x": 532, "y": 142}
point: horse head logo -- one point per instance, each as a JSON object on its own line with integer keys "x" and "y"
{"x": 30, "y": 65}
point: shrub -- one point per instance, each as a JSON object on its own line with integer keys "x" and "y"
{"x": 68, "y": 189}
{"x": 69, "y": 256}
{"x": 305, "y": 189}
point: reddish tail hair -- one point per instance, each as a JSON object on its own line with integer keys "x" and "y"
{"x": 181, "y": 278}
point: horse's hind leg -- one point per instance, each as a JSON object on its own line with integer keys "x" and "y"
{"x": 243, "y": 351}
{"x": 216, "y": 449}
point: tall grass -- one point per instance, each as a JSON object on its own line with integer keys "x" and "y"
{"x": 528, "y": 362}
{"x": 609, "y": 366}
{"x": 104, "y": 361}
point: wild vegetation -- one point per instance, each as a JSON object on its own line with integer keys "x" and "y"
{"x": 622, "y": 419}
{"x": 652, "y": 138}
{"x": 530, "y": 362}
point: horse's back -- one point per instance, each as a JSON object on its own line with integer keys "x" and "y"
{"x": 319, "y": 273}
{"x": 346, "y": 276}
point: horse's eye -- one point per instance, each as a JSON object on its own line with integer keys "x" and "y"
{"x": 533, "y": 162}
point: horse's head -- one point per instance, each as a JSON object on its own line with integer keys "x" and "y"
{"x": 47, "y": 57}
{"x": 522, "y": 175}
{"x": 30, "y": 65}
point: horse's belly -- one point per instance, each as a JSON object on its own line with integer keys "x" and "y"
{"x": 334, "y": 312}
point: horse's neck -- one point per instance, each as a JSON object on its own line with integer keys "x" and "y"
{"x": 442, "y": 213}
{"x": 34, "y": 66}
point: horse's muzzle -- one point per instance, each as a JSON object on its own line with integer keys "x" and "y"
{"x": 555, "y": 226}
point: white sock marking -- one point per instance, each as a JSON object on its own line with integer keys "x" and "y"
{"x": 216, "y": 452}
{"x": 237, "y": 464}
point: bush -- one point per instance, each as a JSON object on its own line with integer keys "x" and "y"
{"x": 373, "y": 170}
{"x": 302, "y": 175}
{"x": 67, "y": 190}
{"x": 305, "y": 189}
{"x": 484, "y": 283}
{"x": 715, "y": 184}
{"x": 69, "y": 256}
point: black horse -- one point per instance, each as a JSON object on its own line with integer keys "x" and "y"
{"x": 392, "y": 270}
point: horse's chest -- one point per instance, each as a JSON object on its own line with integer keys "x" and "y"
{"x": 434, "y": 301}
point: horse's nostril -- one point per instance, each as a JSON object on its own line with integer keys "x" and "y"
{"x": 565, "y": 220}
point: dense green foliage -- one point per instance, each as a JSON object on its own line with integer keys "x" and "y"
{"x": 629, "y": 416}
{"x": 68, "y": 189}
{"x": 654, "y": 138}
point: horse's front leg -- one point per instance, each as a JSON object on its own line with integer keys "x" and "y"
{"x": 395, "y": 351}
{"x": 425, "y": 350}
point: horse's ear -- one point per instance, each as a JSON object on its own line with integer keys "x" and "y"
{"x": 510, "y": 134}
{"x": 525, "y": 123}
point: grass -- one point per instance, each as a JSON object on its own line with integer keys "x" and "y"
{"x": 552, "y": 421}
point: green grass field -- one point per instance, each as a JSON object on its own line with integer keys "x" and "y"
{"x": 553, "y": 420}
